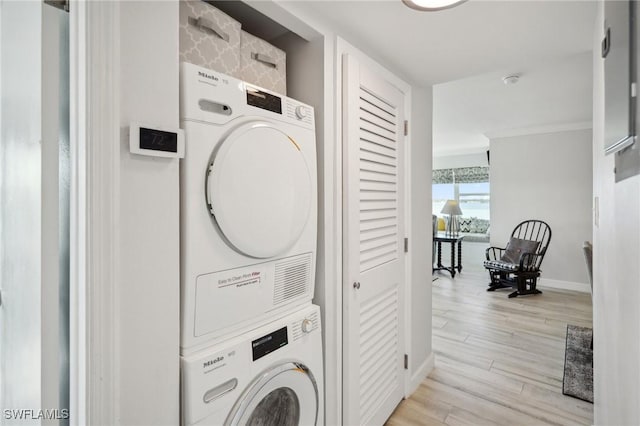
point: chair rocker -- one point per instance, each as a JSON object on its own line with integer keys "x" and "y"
{"x": 518, "y": 265}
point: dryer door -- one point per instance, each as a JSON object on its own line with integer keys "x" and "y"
{"x": 259, "y": 190}
{"x": 285, "y": 395}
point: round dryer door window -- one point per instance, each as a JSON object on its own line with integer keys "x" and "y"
{"x": 259, "y": 190}
{"x": 285, "y": 395}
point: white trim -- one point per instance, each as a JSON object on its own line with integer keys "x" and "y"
{"x": 421, "y": 373}
{"x": 408, "y": 259}
{"x": 333, "y": 191}
{"x": 95, "y": 151}
{"x": 563, "y": 285}
{"x": 537, "y": 130}
{"x": 77, "y": 237}
{"x": 439, "y": 152}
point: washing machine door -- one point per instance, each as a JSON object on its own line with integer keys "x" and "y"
{"x": 285, "y": 395}
{"x": 259, "y": 189}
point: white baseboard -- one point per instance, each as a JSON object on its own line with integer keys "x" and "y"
{"x": 564, "y": 285}
{"x": 421, "y": 374}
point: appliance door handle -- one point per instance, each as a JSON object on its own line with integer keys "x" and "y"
{"x": 208, "y": 25}
{"x": 606, "y": 43}
{"x": 220, "y": 391}
{"x": 265, "y": 59}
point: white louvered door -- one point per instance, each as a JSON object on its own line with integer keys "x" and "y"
{"x": 373, "y": 138}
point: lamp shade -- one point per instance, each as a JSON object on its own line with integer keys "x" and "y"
{"x": 451, "y": 207}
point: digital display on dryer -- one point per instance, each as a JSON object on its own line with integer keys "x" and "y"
{"x": 264, "y": 100}
{"x": 269, "y": 343}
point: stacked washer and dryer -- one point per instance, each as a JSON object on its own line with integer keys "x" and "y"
{"x": 251, "y": 350}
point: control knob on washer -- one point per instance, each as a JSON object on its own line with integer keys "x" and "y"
{"x": 307, "y": 325}
{"x": 301, "y": 112}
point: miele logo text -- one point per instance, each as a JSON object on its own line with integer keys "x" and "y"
{"x": 212, "y": 362}
{"x": 209, "y": 76}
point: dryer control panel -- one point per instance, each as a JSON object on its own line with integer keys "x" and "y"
{"x": 213, "y": 97}
{"x": 290, "y": 108}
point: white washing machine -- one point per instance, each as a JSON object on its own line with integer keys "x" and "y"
{"x": 248, "y": 205}
{"x": 270, "y": 376}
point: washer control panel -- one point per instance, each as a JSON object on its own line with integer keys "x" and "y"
{"x": 304, "y": 325}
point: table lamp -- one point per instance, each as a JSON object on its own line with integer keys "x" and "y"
{"x": 452, "y": 208}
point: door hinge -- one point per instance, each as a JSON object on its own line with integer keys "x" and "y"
{"x": 60, "y": 4}
{"x": 406, "y": 245}
{"x": 406, "y": 361}
{"x": 406, "y": 127}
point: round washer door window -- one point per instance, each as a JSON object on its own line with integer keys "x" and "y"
{"x": 259, "y": 190}
{"x": 286, "y": 395}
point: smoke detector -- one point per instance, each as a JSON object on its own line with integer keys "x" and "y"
{"x": 511, "y": 79}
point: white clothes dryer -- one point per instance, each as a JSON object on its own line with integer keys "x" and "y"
{"x": 248, "y": 205}
{"x": 271, "y": 375}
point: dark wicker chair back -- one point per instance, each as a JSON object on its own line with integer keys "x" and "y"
{"x": 534, "y": 230}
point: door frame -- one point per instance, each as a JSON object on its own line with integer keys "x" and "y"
{"x": 94, "y": 35}
{"x": 342, "y": 48}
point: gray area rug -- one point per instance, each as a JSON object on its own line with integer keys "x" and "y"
{"x": 578, "y": 364}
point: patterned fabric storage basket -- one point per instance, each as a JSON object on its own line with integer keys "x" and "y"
{"x": 209, "y": 38}
{"x": 263, "y": 64}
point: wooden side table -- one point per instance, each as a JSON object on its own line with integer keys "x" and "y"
{"x": 445, "y": 238}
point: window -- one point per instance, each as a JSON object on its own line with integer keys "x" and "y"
{"x": 468, "y": 185}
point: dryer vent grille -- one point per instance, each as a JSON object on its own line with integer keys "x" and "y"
{"x": 293, "y": 278}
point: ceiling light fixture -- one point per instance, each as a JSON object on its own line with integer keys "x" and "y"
{"x": 511, "y": 79}
{"x": 432, "y": 5}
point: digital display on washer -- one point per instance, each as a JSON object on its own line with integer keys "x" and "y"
{"x": 269, "y": 343}
{"x": 264, "y": 100}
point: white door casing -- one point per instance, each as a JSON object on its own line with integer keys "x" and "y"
{"x": 373, "y": 251}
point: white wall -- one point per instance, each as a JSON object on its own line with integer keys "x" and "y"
{"x": 421, "y": 358}
{"x": 149, "y": 288}
{"x": 21, "y": 205}
{"x": 546, "y": 177}
{"x": 463, "y": 160}
{"x": 616, "y": 292}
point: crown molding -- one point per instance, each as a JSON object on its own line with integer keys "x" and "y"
{"x": 537, "y": 130}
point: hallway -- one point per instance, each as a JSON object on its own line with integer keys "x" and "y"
{"x": 498, "y": 360}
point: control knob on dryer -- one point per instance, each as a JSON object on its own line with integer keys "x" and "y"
{"x": 301, "y": 112}
{"x": 307, "y": 325}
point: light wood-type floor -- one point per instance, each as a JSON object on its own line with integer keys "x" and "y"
{"x": 498, "y": 361}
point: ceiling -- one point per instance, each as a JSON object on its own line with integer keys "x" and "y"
{"x": 465, "y": 51}
{"x": 473, "y": 38}
{"x": 549, "y": 96}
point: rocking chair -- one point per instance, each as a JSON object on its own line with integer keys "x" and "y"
{"x": 518, "y": 265}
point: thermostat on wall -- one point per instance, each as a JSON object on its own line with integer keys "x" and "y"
{"x": 156, "y": 141}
